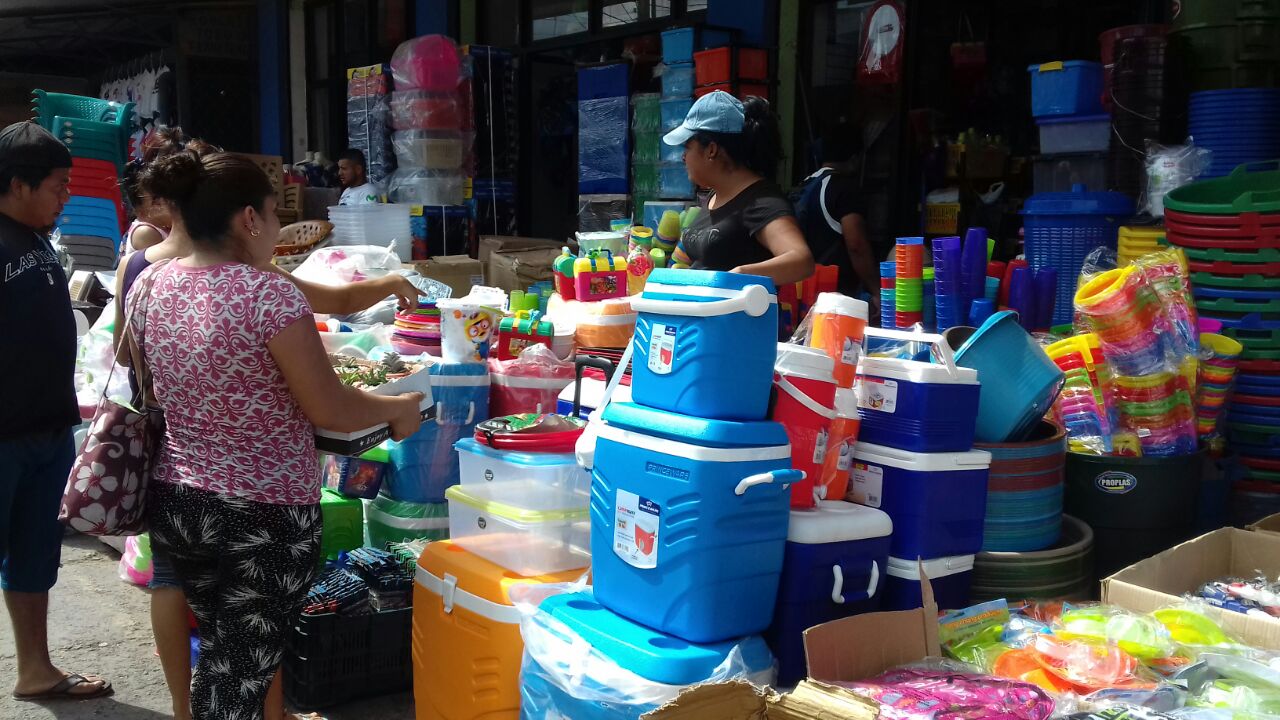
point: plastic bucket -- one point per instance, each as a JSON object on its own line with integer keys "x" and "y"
{"x": 1020, "y": 382}
{"x": 838, "y": 325}
{"x": 805, "y": 407}
{"x": 1024, "y": 491}
{"x": 1062, "y": 572}
{"x": 1137, "y": 507}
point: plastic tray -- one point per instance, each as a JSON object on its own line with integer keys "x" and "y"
{"x": 1228, "y": 268}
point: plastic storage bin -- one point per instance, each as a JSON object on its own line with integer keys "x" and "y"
{"x": 937, "y": 501}
{"x": 466, "y": 635}
{"x": 673, "y": 180}
{"x": 330, "y": 658}
{"x": 715, "y": 65}
{"x": 674, "y": 111}
{"x": 521, "y": 525}
{"x": 424, "y": 466}
{"x": 705, "y": 344}
{"x": 689, "y": 521}
{"x": 1061, "y": 172}
{"x": 392, "y": 521}
{"x": 343, "y": 520}
{"x": 480, "y": 464}
{"x": 677, "y": 45}
{"x": 587, "y": 663}
{"x": 1073, "y": 87}
{"x": 605, "y": 324}
{"x": 677, "y": 80}
{"x": 950, "y": 578}
{"x": 916, "y": 405}
{"x": 1091, "y": 133}
{"x": 834, "y": 567}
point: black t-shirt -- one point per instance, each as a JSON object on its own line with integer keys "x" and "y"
{"x": 724, "y": 238}
{"x": 37, "y": 336}
{"x": 827, "y": 245}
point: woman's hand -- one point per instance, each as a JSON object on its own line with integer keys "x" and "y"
{"x": 406, "y": 294}
{"x": 408, "y": 417}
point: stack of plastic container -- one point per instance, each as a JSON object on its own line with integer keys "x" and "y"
{"x": 369, "y": 123}
{"x": 1066, "y": 101}
{"x": 383, "y": 225}
{"x": 915, "y": 461}
{"x": 677, "y": 98}
{"x": 1135, "y": 241}
{"x": 646, "y": 127}
{"x": 96, "y": 133}
{"x": 1228, "y": 44}
{"x": 1137, "y": 99}
{"x": 743, "y": 72}
{"x": 948, "y": 310}
{"x": 604, "y": 144}
{"x": 497, "y": 142}
{"x": 431, "y": 115}
{"x": 888, "y": 294}
{"x": 1238, "y": 125}
{"x": 908, "y": 286}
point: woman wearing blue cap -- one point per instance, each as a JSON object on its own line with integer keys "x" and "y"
{"x": 749, "y": 227}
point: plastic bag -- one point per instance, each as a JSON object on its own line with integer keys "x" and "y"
{"x": 419, "y": 186}
{"x": 384, "y": 312}
{"x": 352, "y": 263}
{"x": 430, "y": 62}
{"x": 922, "y": 693}
{"x": 94, "y": 359}
{"x": 1169, "y": 168}
{"x": 135, "y": 563}
{"x": 602, "y": 144}
{"x": 530, "y": 383}
{"x": 390, "y": 521}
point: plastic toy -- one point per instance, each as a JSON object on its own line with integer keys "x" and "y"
{"x": 599, "y": 276}
{"x": 563, "y": 272}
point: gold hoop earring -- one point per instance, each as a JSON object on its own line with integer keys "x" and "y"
{"x": 255, "y": 233}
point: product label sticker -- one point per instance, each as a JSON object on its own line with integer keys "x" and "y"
{"x": 635, "y": 530}
{"x": 868, "y": 482}
{"x": 851, "y": 351}
{"x": 845, "y": 463}
{"x": 662, "y": 348}
{"x": 820, "y": 448}
{"x": 878, "y": 394}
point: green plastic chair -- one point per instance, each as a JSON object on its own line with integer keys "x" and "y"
{"x": 52, "y": 105}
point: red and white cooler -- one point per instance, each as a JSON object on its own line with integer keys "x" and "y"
{"x": 806, "y": 385}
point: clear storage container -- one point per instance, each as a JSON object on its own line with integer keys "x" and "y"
{"x": 480, "y": 464}
{"x": 1088, "y": 133}
{"x": 522, "y": 525}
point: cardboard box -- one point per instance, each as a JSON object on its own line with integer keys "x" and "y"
{"x": 1270, "y": 523}
{"x": 518, "y": 269}
{"x": 459, "y": 272}
{"x": 1162, "y": 579}
{"x": 740, "y": 700}
{"x": 490, "y": 244}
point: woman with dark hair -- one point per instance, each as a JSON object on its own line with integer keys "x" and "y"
{"x": 151, "y": 216}
{"x": 748, "y": 227}
{"x": 242, "y": 377}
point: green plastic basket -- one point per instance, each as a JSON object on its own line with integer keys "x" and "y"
{"x": 1254, "y": 187}
{"x": 1237, "y": 256}
{"x": 1251, "y": 353}
{"x": 1254, "y": 339}
{"x": 1217, "y": 305}
{"x": 1235, "y": 282}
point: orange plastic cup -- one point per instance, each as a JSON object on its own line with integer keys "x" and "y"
{"x": 839, "y": 322}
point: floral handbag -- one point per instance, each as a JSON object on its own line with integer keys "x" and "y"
{"x": 107, "y": 488}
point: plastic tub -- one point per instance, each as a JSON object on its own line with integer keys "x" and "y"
{"x": 1077, "y": 134}
{"x": 392, "y": 521}
{"x": 674, "y": 111}
{"x": 605, "y": 324}
{"x": 1061, "y": 572}
{"x": 673, "y": 180}
{"x": 834, "y": 567}
{"x": 677, "y": 45}
{"x": 1058, "y": 173}
{"x": 481, "y": 464}
{"x": 677, "y": 81}
{"x": 1073, "y": 87}
{"x": 950, "y": 577}
{"x": 937, "y": 501}
{"x": 522, "y": 525}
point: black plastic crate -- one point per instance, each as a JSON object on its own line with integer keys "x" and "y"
{"x": 331, "y": 659}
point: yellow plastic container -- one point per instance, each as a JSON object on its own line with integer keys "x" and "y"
{"x": 466, "y": 636}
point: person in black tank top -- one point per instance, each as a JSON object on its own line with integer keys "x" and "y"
{"x": 748, "y": 226}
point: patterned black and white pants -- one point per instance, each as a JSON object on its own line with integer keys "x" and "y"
{"x": 245, "y": 568}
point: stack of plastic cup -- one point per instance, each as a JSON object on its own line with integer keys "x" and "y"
{"x": 1219, "y": 358}
{"x": 1126, "y": 314}
{"x": 927, "y": 307}
{"x": 991, "y": 290}
{"x": 1083, "y": 406}
{"x": 946, "y": 282}
{"x": 979, "y": 310}
{"x": 1157, "y": 408}
{"x": 909, "y": 284}
{"x": 973, "y": 267}
{"x": 888, "y": 299}
{"x": 1045, "y": 284}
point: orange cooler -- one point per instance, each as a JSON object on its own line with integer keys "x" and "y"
{"x": 838, "y": 325}
{"x": 466, "y": 636}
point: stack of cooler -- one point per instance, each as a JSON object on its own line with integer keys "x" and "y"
{"x": 431, "y": 114}
{"x": 604, "y": 144}
{"x": 1075, "y": 132}
{"x": 677, "y": 98}
{"x": 915, "y": 461}
{"x": 742, "y": 72}
{"x": 1229, "y": 229}
{"x": 1137, "y": 82}
{"x": 96, "y": 133}
{"x": 493, "y": 83}
{"x": 369, "y": 119}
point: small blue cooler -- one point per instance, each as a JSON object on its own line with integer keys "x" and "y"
{"x": 689, "y": 521}
{"x": 949, "y": 577}
{"x": 916, "y": 405}
{"x": 424, "y": 465}
{"x": 937, "y": 501}
{"x": 833, "y": 567}
{"x": 705, "y": 344}
{"x": 625, "y": 669}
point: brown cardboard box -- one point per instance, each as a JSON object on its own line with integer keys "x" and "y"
{"x": 457, "y": 271}
{"x": 740, "y": 700}
{"x": 490, "y": 244}
{"x": 1270, "y": 523}
{"x": 518, "y": 269}
{"x": 1161, "y": 579}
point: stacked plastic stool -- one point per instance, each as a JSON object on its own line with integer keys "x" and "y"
{"x": 97, "y": 134}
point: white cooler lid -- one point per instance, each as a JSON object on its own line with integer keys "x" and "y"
{"x": 922, "y": 462}
{"x": 835, "y": 521}
{"x": 914, "y": 371}
{"x": 933, "y": 569}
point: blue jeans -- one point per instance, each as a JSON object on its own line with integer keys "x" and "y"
{"x": 33, "y": 476}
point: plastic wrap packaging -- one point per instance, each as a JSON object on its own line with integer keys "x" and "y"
{"x": 94, "y": 361}
{"x": 384, "y": 312}
{"x": 1126, "y": 313}
{"x": 528, "y": 384}
{"x": 1169, "y": 168}
{"x": 431, "y": 63}
{"x": 603, "y": 145}
{"x": 352, "y": 263}
{"x": 135, "y": 563}
{"x": 431, "y": 149}
{"x": 562, "y": 672}
{"x": 1166, "y": 270}
{"x": 1084, "y": 407}
{"x": 596, "y": 213}
{"x": 369, "y": 120}
{"x": 419, "y": 186}
{"x": 603, "y": 324}
{"x": 390, "y": 521}
{"x": 921, "y": 692}
{"x": 420, "y": 110}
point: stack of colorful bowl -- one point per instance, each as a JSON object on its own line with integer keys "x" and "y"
{"x": 1230, "y": 230}
{"x": 418, "y": 331}
{"x": 1220, "y": 355}
{"x": 1084, "y": 405}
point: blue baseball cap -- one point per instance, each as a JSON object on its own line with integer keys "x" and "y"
{"x": 717, "y": 111}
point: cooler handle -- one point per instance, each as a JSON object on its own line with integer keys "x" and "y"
{"x": 754, "y": 300}
{"x": 447, "y": 590}
{"x": 803, "y": 398}
{"x": 944, "y": 351}
{"x": 471, "y": 415}
{"x": 782, "y": 476}
{"x": 837, "y": 589}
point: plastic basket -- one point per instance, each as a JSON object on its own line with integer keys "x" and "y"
{"x": 1073, "y": 87}
{"x": 330, "y": 659}
{"x": 941, "y": 218}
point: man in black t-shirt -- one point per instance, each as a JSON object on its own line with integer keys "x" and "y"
{"x": 37, "y": 365}
{"x": 832, "y": 217}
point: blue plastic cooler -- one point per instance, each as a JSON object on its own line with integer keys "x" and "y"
{"x": 950, "y": 578}
{"x": 424, "y": 465}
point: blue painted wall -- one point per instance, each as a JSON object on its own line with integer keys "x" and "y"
{"x": 434, "y": 17}
{"x": 273, "y": 77}
{"x": 756, "y": 20}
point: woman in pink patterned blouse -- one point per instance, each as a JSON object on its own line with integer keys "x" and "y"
{"x": 243, "y": 379}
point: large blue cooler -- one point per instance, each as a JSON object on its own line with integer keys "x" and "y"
{"x": 834, "y": 567}
{"x": 689, "y": 521}
{"x": 950, "y": 578}
{"x": 424, "y": 465}
{"x": 937, "y": 501}
{"x": 705, "y": 344}
{"x": 917, "y": 406}
{"x": 587, "y": 663}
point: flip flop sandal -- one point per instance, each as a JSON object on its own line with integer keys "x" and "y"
{"x": 63, "y": 690}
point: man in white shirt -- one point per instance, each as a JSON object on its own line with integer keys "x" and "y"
{"x": 356, "y": 188}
